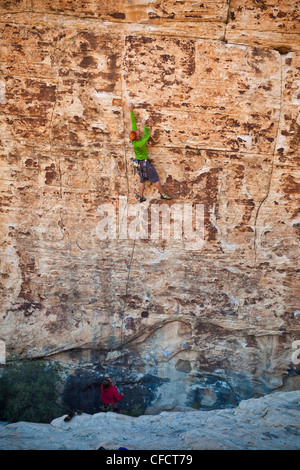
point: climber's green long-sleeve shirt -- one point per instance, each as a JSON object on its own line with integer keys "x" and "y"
{"x": 140, "y": 148}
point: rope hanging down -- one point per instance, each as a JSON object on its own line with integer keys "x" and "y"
{"x": 128, "y": 265}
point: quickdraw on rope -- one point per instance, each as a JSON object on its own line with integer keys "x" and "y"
{"x": 126, "y": 264}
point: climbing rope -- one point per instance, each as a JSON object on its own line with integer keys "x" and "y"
{"x": 128, "y": 265}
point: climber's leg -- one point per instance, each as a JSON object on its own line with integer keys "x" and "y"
{"x": 141, "y": 192}
{"x": 154, "y": 179}
{"x": 163, "y": 195}
{"x": 141, "y": 189}
{"x": 159, "y": 187}
{"x": 142, "y": 183}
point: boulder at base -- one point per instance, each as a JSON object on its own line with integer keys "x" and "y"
{"x": 271, "y": 422}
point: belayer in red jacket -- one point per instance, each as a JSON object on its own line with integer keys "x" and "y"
{"x": 110, "y": 396}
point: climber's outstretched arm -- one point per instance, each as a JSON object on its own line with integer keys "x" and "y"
{"x": 133, "y": 121}
{"x": 142, "y": 141}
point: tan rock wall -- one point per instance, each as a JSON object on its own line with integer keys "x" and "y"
{"x": 219, "y": 84}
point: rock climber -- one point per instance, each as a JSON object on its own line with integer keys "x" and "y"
{"x": 110, "y": 396}
{"x": 144, "y": 167}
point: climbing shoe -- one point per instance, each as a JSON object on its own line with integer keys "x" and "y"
{"x": 142, "y": 199}
{"x": 165, "y": 196}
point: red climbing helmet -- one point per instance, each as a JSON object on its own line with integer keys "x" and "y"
{"x": 134, "y": 135}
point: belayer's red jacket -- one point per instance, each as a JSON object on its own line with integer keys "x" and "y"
{"x": 110, "y": 396}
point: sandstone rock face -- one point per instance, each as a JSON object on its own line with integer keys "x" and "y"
{"x": 219, "y": 84}
{"x": 268, "y": 423}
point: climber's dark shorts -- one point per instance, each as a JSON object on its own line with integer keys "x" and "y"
{"x": 147, "y": 172}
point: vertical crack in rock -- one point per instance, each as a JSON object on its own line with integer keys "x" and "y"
{"x": 129, "y": 271}
{"x": 123, "y": 116}
{"x": 127, "y": 181}
{"x": 52, "y": 116}
{"x": 272, "y": 167}
{"x": 226, "y": 22}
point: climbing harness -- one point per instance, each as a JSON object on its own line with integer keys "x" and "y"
{"x": 141, "y": 166}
